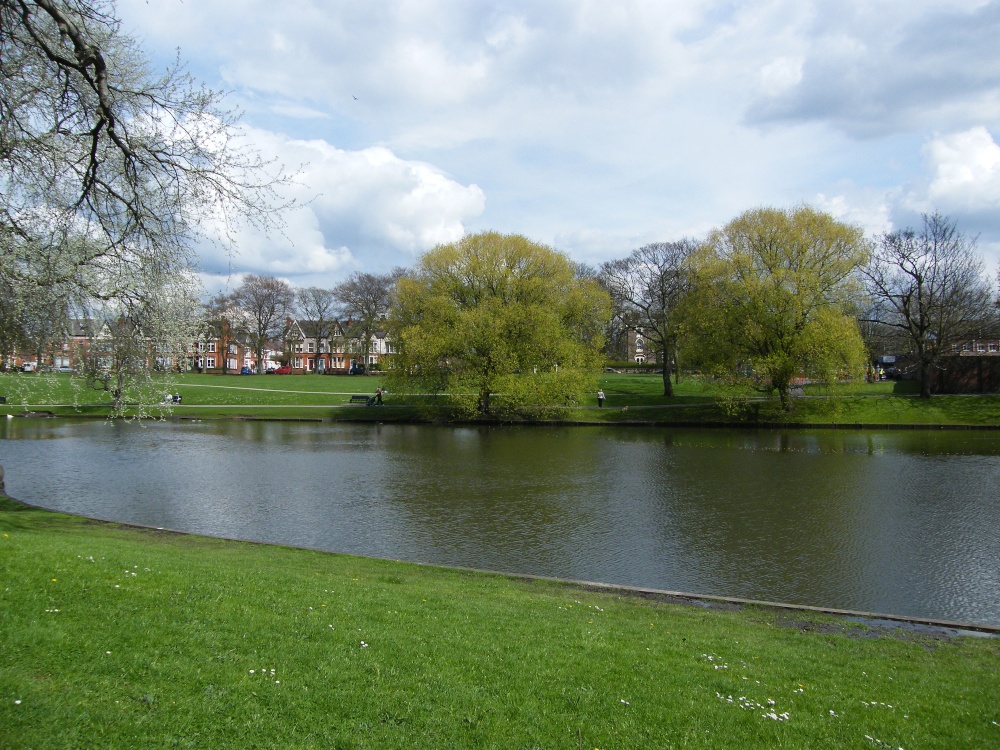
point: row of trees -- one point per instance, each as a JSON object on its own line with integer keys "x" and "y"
{"x": 111, "y": 171}
{"x": 772, "y": 294}
{"x": 776, "y": 292}
{"x": 257, "y": 311}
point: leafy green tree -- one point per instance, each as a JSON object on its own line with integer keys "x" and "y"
{"x": 498, "y": 324}
{"x": 773, "y": 290}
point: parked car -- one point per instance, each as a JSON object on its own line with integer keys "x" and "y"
{"x": 357, "y": 370}
{"x": 283, "y": 370}
{"x": 246, "y": 370}
{"x": 29, "y": 367}
{"x": 65, "y": 369}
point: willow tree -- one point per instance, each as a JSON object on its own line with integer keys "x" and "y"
{"x": 498, "y": 324}
{"x": 773, "y": 291}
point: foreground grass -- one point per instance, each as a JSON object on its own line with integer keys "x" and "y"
{"x": 118, "y": 637}
{"x": 630, "y": 399}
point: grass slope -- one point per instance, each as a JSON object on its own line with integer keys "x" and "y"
{"x": 630, "y": 399}
{"x": 114, "y": 637}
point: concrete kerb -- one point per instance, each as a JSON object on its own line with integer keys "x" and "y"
{"x": 668, "y": 596}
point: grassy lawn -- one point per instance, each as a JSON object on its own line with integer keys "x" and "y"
{"x": 630, "y": 399}
{"x": 119, "y": 637}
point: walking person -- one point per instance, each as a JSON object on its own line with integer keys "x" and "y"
{"x": 600, "y": 399}
{"x": 378, "y": 396}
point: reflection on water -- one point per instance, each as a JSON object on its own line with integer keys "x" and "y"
{"x": 900, "y": 522}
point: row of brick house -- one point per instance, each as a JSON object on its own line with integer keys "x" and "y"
{"x": 340, "y": 351}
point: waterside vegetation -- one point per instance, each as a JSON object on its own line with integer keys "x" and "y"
{"x": 631, "y": 399}
{"x": 123, "y": 637}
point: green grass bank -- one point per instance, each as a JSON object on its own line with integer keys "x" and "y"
{"x": 117, "y": 637}
{"x": 631, "y": 399}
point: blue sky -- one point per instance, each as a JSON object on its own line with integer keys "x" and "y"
{"x": 593, "y": 127}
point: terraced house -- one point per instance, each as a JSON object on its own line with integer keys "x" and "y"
{"x": 333, "y": 346}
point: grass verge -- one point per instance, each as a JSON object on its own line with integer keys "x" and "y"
{"x": 121, "y": 637}
{"x": 632, "y": 399}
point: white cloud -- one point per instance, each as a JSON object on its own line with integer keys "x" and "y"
{"x": 966, "y": 169}
{"x": 866, "y": 209}
{"x": 779, "y": 75}
{"x": 357, "y": 209}
{"x": 596, "y": 126}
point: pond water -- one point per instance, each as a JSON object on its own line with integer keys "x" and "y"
{"x": 901, "y": 522}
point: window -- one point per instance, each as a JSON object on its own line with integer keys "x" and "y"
{"x": 232, "y": 348}
{"x": 639, "y": 359}
{"x": 312, "y": 347}
{"x": 298, "y": 348}
{"x": 992, "y": 347}
{"x": 210, "y": 363}
{"x": 638, "y": 344}
{"x": 297, "y": 363}
{"x": 231, "y": 363}
{"x": 966, "y": 347}
{"x": 980, "y": 347}
{"x": 211, "y": 347}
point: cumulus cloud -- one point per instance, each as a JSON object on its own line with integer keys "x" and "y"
{"x": 366, "y": 209}
{"x": 962, "y": 180}
{"x": 863, "y": 208}
{"x": 592, "y": 126}
{"x": 966, "y": 171}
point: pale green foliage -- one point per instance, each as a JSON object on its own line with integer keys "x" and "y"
{"x": 498, "y": 323}
{"x": 772, "y": 291}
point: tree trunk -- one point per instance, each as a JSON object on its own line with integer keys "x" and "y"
{"x": 668, "y": 390}
{"x": 785, "y": 397}
{"x": 925, "y": 380}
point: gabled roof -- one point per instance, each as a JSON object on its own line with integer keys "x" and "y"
{"x": 308, "y": 329}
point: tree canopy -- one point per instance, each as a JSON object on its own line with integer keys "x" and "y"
{"x": 929, "y": 286}
{"x": 772, "y": 293}
{"x": 110, "y": 171}
{"x": 265, "y": 303}
{"x": 499, "y": 324}
{"x": 647, "y": 288}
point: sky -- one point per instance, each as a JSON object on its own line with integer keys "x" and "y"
{"x": 593, "y": 127}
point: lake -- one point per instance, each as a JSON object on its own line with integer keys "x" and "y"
{"x": 898, "y": 522}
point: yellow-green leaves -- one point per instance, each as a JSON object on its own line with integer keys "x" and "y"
{"x": 499, "y": 324}
{"x": 771, "y": 296}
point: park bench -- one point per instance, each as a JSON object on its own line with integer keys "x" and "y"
{"x": 3, "y": 399}
{"x": 360, "y": 398}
